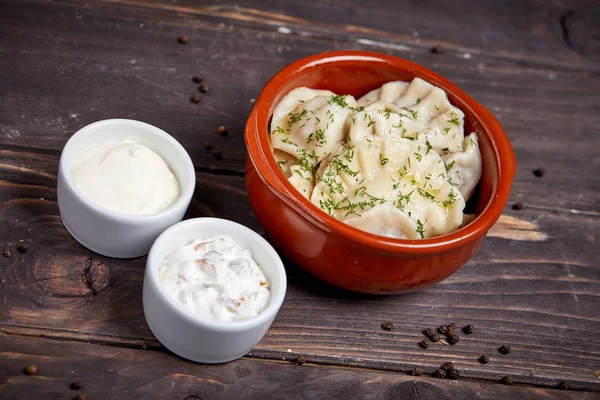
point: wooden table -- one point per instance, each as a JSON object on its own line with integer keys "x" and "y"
{"x": 533, "y": 285}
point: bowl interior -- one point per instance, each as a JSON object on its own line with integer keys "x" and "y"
{"x": 115, "y": 130}
{"x": 357, "y": 76}
{"x": 201, "y": 228}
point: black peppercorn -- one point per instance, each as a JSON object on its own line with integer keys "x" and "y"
{"x": 76, "y": 385}
{"x": 517, "y": 206}
{"x": 195, "y": 99}
{"x": 183, "y": 39}
{"x": 437, "y": 49}
{"x": 203, "y": 88}
{"x": 30, "y": 370}
{"x": 504, "y": 349}
{"x": 451, "y": 328}
{"x": 417, "y": 372}
{"x": 7, "y": 254}
{"x": 207, "y": 146}
{"x": 484, "y": 359}
{"x": 23, "y": 247}
{"x": 453, "y": 374}
{"x": 197, "y": 79}
{"x": 300, "y": 359}
{"x": 387, "y": 326}
{"x": 424, "y": 343}
{"x": 539, "y": 172}
{"x": 468, "y": 329}
{"x": 222, "y": 130}
{"x": 507, "y": 380}
{"x": 452, "y": 339}
{"x": 440, "y": 373}
{"x": 563, "y": 386}
{"x": 447, "y": 366}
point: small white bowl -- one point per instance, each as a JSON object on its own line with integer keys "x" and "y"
{"x": 194, "y": 337}
{"x": 108, "y": 232}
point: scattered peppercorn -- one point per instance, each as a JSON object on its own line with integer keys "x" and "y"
{"x": 437, "y": 49}
{"x": 539, "y": 172}
{"x": 195, "y": 99}
{"x": 387, "y": 326}
{"x": 429, "y": 332}
{"x": 30, "y": 370}
{"x": 207, "y": 146}
{"x": 435, "y": 337}
{"x": 23, "y": 247}
{"x": 447, "y": 366}
{"x": 504, "y": 349}
{"x": 452, "y": 339}
{"x": 507, "y": 380}
{"x": 183, "y": 39}
{"x": 417, "y": 372}
{"x": 484, "y": 359}
{"x": 217, "y": 155}
{"x": 448, "y": 329}
{"x": 440, "y": 373}
{"x": 222, "y": 130}
{"x": 453, "y": 374}
{"x": 517, "y": 206}
{"x": 468, "y": 329}
{"x": 424, "y": 343}
{"x": 301, "y": 359}
{"x": 7, "y": 254}
{"x": 76, "y": 385}
{"x": 597, "y": 374}
{"x": 144, "y": 347}
{"x": 197, "y": 79}
{"x": 203, "y": 88}
{"x": 452, "y": 328}
{"x": 563, "y": 386}
{"x": 80, "y": 397}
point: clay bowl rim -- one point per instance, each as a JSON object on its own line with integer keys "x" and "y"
{"x": 259, "y": 152}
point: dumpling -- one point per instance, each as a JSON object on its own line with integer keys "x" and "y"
{"x": 387, "y": 93}
{"x": 284, "y": 161}
{"x": 464, "y": 167}
{"x": 420, "y": 111}
{"x": 309, "y": 124}
{"x": 380, "y": 177}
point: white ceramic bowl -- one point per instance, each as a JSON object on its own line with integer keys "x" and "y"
{"x": 194, "y": 337}
{"x": 108, "y": 232}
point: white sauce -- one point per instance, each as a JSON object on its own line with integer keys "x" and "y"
{"x": 217, "y": 279}
{"x": 126, "y": 177}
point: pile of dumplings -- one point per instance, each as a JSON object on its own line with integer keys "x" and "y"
{"x": 394, "y": 163}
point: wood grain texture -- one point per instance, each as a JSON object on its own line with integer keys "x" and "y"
{"x": 123, "y": 60}
{"x": 539, "y": 296}
{"x": 110, "y": 373}
{"x": 534, "y": 284}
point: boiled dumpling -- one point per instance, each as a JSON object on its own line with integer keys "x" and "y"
{"x": 368, "y": 178}
{"x": 309, "y": 123}
{"x": 464, "y": 167}
{"x": 387, "y": 93}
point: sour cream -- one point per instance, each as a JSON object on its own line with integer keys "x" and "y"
{"x": 126, "y": 177}
{"x": 217, "y": 279}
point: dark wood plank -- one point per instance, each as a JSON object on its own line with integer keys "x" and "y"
{"x": 558, "y": 34}
{"x": 107, "y": 372}
{"x": 534, "y": 285}
{"x": 123, "y": 60}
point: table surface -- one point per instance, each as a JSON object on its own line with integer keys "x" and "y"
{"x": 534, "y": 284}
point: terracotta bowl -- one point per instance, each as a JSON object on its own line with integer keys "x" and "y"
{"x": 343, "y": 255}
